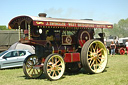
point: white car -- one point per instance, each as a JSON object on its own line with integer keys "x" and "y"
{"x": 13, "y": 58}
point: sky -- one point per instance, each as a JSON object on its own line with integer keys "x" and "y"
{"x": 99, "y": 10}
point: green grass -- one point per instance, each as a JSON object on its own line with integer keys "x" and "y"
{"x": 116, "y": 73}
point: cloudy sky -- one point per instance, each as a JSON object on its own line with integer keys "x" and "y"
{"x": 100, "y": 10}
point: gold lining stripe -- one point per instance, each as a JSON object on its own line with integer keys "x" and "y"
{"x": 71, "y": 57}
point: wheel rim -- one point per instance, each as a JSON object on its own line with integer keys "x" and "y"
{"x": 97, "y": 56}
{"x": 31, "y": 71}
{"x": 55, "y": 67}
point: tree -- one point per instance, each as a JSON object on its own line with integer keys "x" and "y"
{"x": 123, "y": 25}
{"x": 3, "y": 27}
{"x": 120, "y": 29}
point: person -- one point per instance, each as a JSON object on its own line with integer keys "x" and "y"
{"x": 126, "y": 46}
{"x": 112, "y": 47}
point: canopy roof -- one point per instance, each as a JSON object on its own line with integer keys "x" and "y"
{"x": 20, "y": 46}
{"x": 58, "y": 22}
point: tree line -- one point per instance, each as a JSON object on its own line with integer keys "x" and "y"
{"x": 3, "y": 27}
{"x": 120, "y": 29}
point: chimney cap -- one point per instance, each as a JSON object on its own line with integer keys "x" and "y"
{"x": 42, "y": 14}
{"x": 87, "y": 19}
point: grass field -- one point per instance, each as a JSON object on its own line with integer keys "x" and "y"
{"x": 116, "y": 73}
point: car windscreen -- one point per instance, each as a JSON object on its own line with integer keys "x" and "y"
{"x": 3, "y": 53}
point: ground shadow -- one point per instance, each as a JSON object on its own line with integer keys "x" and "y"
{"x": 12, "y": 68}
{"x": 41, "y": 77}
{"x": 82, "y": 71}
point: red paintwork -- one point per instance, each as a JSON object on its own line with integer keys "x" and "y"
{"x": 122, "y": 51}
{"x": 66, "y": 24}
{"x": 72, "y": 57}
{"x": 81, "y": 42}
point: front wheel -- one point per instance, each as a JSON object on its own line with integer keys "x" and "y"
{"x": 29, "y": 67}
{"x": 94, "y": 56}
{"x": 54, "y": 67}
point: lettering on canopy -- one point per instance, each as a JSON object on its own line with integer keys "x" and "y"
{"x": 69, "y": 24}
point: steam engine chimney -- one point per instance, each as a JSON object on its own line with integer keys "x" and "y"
{"x": 42, "y": 14}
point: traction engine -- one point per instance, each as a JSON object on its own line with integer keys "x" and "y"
{"x": 61, "y": 45}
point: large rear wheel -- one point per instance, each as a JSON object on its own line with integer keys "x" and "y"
{"x": 94, "y": 56}
{"x": 54, "y": 67}
{"x": 29, "y": 68}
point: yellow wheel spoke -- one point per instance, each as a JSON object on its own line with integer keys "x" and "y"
{"x": 37, "y": 71}
{"x": 89, "y": 58}
{"x": 100, "y": 54}
{"x": 96, "y": 46}
{"x": 49, "y": 66}
{"x": 90, "y": 52}
{"x": 30, "y": 63}
{"x": 100, "y": 66}
{"x": 52, "y": 60}
{"x": 59, "y": 65}
{"x": 94, "y": 67}
{"x": 96, "y": 64}
{"x": 57, "y": 62}
{"x": 59, "y": 68}
{"x": 89, "y": 55}
{"x": 49, "y": 70}
{"x": 58, "y": 71}
{"x": 100, "y": 50}
{"x": 93, "y": 48}
{"x": 29, "y": 70}
{"x": 28, "y": 66}
{"x": 99, "y": 60}
{"x": 55, "y": 73}
{"x": 33, "y": 71}
{"x": 92, "y": 63}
